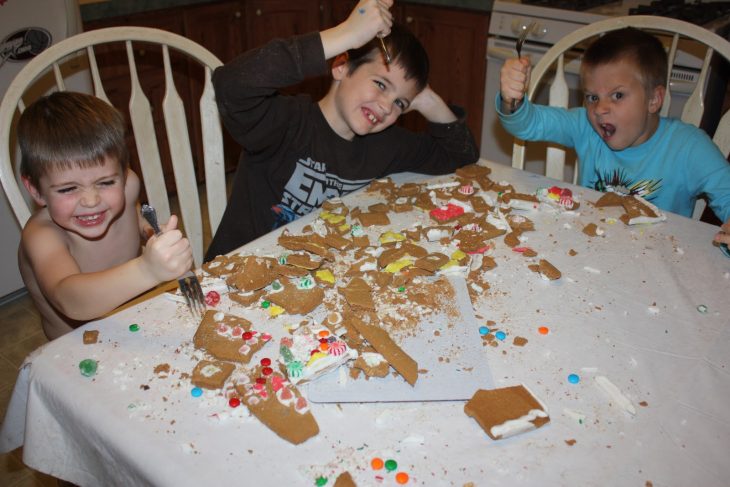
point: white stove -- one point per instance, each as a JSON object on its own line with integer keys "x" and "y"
{"x": 510, "y": 17}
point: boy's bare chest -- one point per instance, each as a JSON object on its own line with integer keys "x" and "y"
{"x": 120, "y": 244}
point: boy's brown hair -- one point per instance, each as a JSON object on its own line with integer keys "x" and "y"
{"x": 637, "y": 46}
{"x": 68, "y": 129}
{"x": 405, "y": 50}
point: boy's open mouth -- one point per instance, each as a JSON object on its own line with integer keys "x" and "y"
{"x": 371, "y": 116}
{"x": 607, "y": 130}
{"x": 90, "y": 220}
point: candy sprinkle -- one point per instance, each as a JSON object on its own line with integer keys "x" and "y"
{"x": 483, "y": 330}
{"x": 391, "y": 465}
{"x": 376, "y": 463}
{"x": 196, "y": 392}
{"x": 500, "y": 335}
{"x": 234, "y": 402}
{"x": 543, "y": 330}
{"x": 87, "y": 367}
{"x": 702, "y": 308}
{"x": 321, "y": 480}
{"x": 265, "y": 304}
{"x": 134, "y": 327}
{"x": 573, "y": 378}
{"x": 401, "y": 478}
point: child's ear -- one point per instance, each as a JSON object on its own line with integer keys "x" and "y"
{"x": 339, "y": 67}
{"x": 37, "y": 196}
{"x": 657, "y": 98}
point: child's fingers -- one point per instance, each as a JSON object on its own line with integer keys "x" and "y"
{"x": 170, "y": 225}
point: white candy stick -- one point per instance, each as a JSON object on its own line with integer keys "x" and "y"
{"x": 614, "y": 393}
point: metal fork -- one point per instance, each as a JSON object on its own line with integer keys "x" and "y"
{"x": 388, "y": 59}
{"x": 189, "y": 283}
{"x": 518, "y": 48}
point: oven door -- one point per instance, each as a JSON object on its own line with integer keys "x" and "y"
{"x": 496, "y": 142}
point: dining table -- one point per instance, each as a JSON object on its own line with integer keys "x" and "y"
{"x": 628, "y": 351}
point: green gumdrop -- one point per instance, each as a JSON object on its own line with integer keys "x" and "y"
{"x": 321, "y": 481}
{"x": 88, "y": 367}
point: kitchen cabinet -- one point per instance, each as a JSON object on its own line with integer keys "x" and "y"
{"x": 456, "y": 42}
{"x": 270, "y": 19}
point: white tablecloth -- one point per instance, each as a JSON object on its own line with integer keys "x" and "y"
{"x": 626, "y": 309}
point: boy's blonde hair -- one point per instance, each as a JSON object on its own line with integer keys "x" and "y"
{"x": 68, "y": 129}
{"x": 641, "y": 48}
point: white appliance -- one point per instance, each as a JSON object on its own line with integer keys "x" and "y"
{"x": 26, "y": 28}
{"x": 555, "y": 19}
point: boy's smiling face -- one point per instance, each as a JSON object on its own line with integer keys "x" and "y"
{"x": 82, "y": 200}
{"x": 368, "y": 99}
{"x": 618, "y": 105}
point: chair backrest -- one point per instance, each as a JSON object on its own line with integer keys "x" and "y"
{"x": 89, "y": 45}
{"x": 554, "y": 61}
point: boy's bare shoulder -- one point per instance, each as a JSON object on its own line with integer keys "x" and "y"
{"x": 39, "y": 227}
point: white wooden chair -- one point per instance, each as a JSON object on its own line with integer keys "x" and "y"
{"x": 554, "y": 60}
{"x": 142, "y": 121}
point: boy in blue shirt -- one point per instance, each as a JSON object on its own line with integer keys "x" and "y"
{"x": 297, "y": 152}
{"x": 622, "y": 142}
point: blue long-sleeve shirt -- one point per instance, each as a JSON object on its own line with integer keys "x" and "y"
{"x": 672, "y": 169}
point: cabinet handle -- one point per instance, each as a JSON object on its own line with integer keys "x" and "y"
{"x": 237, "y": 14}
{"x": 409, "y": 19}
{"x": 142, "y": 52}
{"x": 258, "y": 12}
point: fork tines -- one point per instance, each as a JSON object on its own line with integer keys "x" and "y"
{"x": 193, "y": 294}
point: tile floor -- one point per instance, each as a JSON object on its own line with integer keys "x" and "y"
{"x": 22, "y": 333}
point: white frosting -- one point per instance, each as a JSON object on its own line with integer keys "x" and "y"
{"x": 450, "y": 184}
{"x": 372, "y": 359}
{"x": 435, "y": 234}
{"x": 209, "y": 370}
{"x": 520, "y": 425}
{"x": 518, "y": 204}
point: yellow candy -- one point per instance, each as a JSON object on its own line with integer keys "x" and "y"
{"x": 275, "y": 310}
{"x": 390, "y": 237}
{"x": 399, "y": 264}
{"x": 344, "y": 228}
{"x": 331, "y": 217}
{"x": 458, "y": 255}
{"x": 325, "y": 275}
{"x": 336, "y": 219}
{"x": 315, "y": 356}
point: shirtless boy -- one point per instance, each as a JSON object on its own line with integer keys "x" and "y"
{"x": 81, "y": 253}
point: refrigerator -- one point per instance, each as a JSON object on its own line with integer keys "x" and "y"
{"x": 26, "y": 28}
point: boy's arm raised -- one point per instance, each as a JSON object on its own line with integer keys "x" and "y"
{"x": 86, "y": 296}
{"x": 514, "y": 77}
{"x": 368, "y": 19}
{"x": 434, "y": 109}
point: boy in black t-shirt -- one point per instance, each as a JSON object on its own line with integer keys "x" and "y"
{"x": 298, "y": 153}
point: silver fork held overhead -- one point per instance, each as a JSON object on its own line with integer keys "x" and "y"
{"x": 518, "y": 47}
{"x": 189, "y": 284}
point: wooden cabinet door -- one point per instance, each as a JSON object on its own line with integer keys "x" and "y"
{"x": 269, "y": 19}
{"x": 337, "y": 11}
{"x": 456, "y": 42}
{"x": 220, "y": 28}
